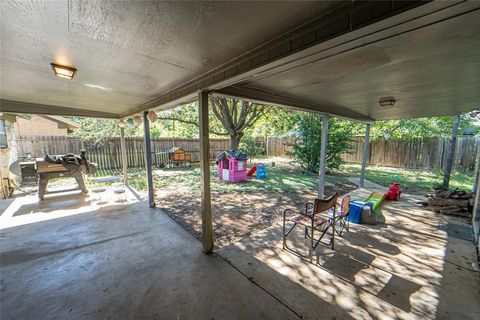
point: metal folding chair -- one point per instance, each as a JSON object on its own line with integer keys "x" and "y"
{"x": 312, "y": 220}
{"x": 340, "y": 215}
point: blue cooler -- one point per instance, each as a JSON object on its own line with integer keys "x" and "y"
{"x": 355, "y": 210}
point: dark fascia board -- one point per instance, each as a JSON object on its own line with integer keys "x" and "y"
{"x": 346, "y": 18}
{"x": 262, "y": 97}
{"x": 34, "y": 108}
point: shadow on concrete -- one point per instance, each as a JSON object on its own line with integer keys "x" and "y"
{"x": 394, "y": 270}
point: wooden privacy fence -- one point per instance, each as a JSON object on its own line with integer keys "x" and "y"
{"x": 416, "y": 153}
{"x": 278, "y": 146}
{"x": 108, "y": 154}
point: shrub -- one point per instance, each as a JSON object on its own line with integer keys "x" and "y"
{"x": 247, "y": 145}
{"x": 307, "y": 141}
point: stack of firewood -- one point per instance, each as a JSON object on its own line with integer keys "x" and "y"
{"x": 451, "y": 202}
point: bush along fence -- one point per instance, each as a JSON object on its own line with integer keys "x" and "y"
{"x": 419, "y": 153}
{"x": 107, "y": 154}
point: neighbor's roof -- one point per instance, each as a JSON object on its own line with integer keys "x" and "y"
{"x": 69, "y": 123}
{"x": 338, "y": 57}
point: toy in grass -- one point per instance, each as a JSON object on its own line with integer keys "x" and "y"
{"x": 259, "y": 169}
{"x": 232, "y": 166}
{"x": 175, "y": 157}
{"x": 252, "y": 170}
{"x": 261, "y": 172}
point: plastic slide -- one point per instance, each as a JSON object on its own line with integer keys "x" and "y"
{"x": 252, "y": 170}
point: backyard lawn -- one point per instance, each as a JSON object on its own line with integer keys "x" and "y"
{"x": 287, "y": 176}
{"x": 240, "y": 208}
{"x": 411, "y": 181}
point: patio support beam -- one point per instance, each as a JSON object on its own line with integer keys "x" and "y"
{"x": 207, "y": 228}
{"x": 148, "y": 159}
{"x": 476, "y": 207}
{"x": 323, "y": 156}
{"x": 123, "y": 147}
{"x": 365, "y": 155}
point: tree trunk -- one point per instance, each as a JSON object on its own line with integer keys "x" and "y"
{"x": 451, "y": 155}
{"x": 235, "y": 141}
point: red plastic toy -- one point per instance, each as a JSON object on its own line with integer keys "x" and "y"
{"x": 394, "y": 192}
{"x": 252, "y": 170}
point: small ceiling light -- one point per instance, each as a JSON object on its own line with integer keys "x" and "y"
{"x": 387, "y": 102}
{"x": 63, "y": 71}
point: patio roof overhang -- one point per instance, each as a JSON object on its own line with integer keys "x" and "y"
{"x": 338, "y": 58}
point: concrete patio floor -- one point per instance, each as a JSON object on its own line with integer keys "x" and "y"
{"x": 119, "y": 262}
{"x": 417, "y": 265}
{"x": 70, "y": 258}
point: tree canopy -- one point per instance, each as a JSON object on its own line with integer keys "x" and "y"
{"x": 227, "y": 119}
{"x": 97, "y": 130}
{"x": 423, "y": 127}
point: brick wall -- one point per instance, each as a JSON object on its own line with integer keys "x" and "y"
{"x": 38, "y": 126}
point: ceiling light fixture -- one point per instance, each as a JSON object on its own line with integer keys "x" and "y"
{"x": 387, "y": 102}
{"x": 63, "y": 72}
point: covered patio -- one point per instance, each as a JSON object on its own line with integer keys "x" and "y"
{"x": 133, "y": 262}
{"x": 417, "y": 265}
{"x": 120, "y": 262}
{"x": 363, "y": 61}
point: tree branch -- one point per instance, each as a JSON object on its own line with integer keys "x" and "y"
{"x": 179, "y": 120}
{"x": 193, "y": 123}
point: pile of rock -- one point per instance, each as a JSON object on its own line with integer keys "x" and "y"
{"x": 451, "y": 202}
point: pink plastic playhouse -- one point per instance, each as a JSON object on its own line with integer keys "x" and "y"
{"x": 233, "y": 170}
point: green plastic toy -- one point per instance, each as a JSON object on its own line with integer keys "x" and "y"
{"x": 376, "y": 199}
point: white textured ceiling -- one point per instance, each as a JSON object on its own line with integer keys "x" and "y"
{"x": 430, "y": 70}
{"x": 127, "y": 52}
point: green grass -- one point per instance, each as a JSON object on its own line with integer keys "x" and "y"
{"x": 410, "y": 180}
{"x": 278, "y": 180}
{"x": 282, "y": 178}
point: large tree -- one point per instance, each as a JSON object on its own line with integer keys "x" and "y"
{"x": 231, "y": 117}
{"x": 236, "y": 116}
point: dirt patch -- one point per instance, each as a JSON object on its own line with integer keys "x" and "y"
{"x": 236, "y": 214}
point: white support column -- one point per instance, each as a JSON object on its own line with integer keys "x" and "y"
{"x": 365, "y": 155}
{"x": 323, "y": 156}
{"x": 148, "y": 159}
{"x": 207, "y": 228}
{"x": 123, "y": 147}
{"x": 476, "y": 179}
